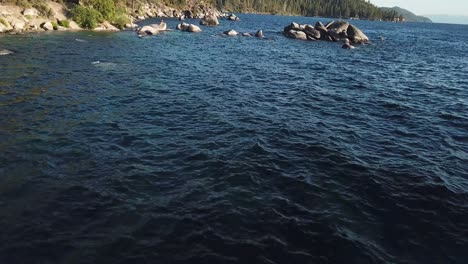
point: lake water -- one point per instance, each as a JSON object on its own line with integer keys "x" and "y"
{"x": 199, "y": 148}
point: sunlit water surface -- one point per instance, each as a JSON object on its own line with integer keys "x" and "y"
{"x": 199, "y": 148}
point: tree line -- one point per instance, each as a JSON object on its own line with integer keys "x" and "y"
{"x": 324, "y": 8}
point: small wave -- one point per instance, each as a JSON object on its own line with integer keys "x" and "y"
{"x": 451, "y": 116}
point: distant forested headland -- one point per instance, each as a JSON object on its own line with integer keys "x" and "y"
{"x": 359, "y": 9}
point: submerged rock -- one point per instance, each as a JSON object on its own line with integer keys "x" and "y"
{"x": 347, "y": 45}
{"x": 5, "y": 52}
{"x": 193, "y": 28}
{"x": 153, "y": 29}
{"x": 148, "y": 30}
{"x": 259, "y": 34}
{"x": 160, "y": 27}
{"x": 246, "y": 34}
{"x": 233, "y": 17}
{"x": 231, "y": 33}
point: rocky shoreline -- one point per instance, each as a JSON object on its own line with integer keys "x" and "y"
{"x": 17, "y": 20}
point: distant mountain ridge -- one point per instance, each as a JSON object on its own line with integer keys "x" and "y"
{"x": 406, "y": 14}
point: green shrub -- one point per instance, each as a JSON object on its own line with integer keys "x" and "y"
{"x": 54, "y": 25}
{"x": 43, "y": 9}
{"x": 64, "y": 23}
{"x": 86, "y": 17}
{"x": 23, "y": 3}
{"x": 105, "y": 7}
{"x": 120, "y": 20}
{"x": 3, "y": 21}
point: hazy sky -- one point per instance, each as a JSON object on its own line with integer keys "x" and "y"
{"x": 428, "y": 7}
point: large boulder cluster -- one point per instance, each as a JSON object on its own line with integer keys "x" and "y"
{"x": 332, "y": 31}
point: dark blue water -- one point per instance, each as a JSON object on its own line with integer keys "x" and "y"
{"x": 198, "y": 148}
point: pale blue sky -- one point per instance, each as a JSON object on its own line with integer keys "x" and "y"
{"x": 428, "y": 7}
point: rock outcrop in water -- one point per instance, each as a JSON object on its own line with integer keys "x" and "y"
{"x": 5, "y": 52}
{"x": 188, "y": 27}
{"x": 210, "y": 20}
{"x": 333, "y": 31}
{"x": 152, "y": 29}
{"x": 231, "y": 33}
{"x": 259, "y": 34}
{"x": 233, "y": 17}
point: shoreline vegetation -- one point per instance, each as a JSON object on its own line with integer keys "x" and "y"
{"x": 22, "y": 16}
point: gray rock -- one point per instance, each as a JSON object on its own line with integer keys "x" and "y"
{"x": 231, "y": 33}
{"x": 19, "y": 25}
{"x": 320, "y": 27}
{"x": 108, "y": 26}
{"x": 148, "y": 30}
{"x": 193, "y": 28}
{"x": 296, "y": 34}
{"x": 5, "y": 52}
{"x": 160, "y": 27}
{"x": 233, "y": 17}
{"x": 339, "y": 26}
{"x": 153, "y": 29}
{"x": 311, "y": 32}
{"x": 337, "y": 30}
{"x": 210, "y": 20}
{"x": 188, "y": 27}
{"x": 47, "y": 26}
{"x": 73, "y": 25}
{"x": 356, "y": 35}
{"x": 30, "y": 12}
{"x": 293, "y": 26}
{"x": 347, "y": 45}
{"x": 259, "y": 34}
{"x": 328, "y": 24}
